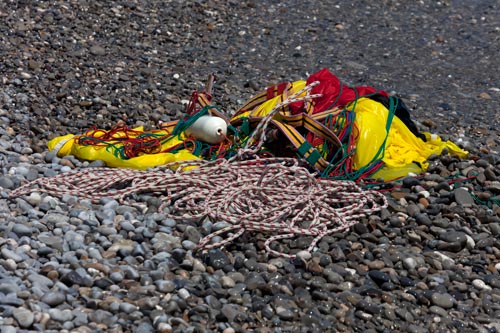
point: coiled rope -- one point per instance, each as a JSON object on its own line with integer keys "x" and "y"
{"x": 274, "y": 196}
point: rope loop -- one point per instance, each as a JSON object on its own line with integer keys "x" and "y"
{"x": 274, "y": 196}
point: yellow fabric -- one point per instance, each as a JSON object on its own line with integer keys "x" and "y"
{"x": 402, "y": 146}
{"x": 68, "y": 145}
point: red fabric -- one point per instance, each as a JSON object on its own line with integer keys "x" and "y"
{"x": 276, "y": 90}
{"x": 330, "y": 88}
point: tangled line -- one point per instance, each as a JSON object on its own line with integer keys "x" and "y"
{"x": 273, "y": 196}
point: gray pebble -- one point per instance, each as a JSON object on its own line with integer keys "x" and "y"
{"x": 416, "y": 329}
{"x": 22, "y": 230}
{"x": 116, "y": 277}
{"x": 102, "y": 316}
{"x": 494, "y": 228}
{"x": 24, "y": 317}
{"x": 192, "y": 234}
{"x": 9, "y": 254}
{"x": 61, "y": 315}
{"x": 97, "y": 164}
{"x": 443, "y": 300}
{"x": 463, "y": 197}
{"x": 8, "y": 329}
{"x": 127, "y": 307}
{"x": 165, "y": 286}
{"x": 53, "y": 298}
{"x": 6, "y": 182}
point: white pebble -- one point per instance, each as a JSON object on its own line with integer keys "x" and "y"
{"x": 443, "y": 257}
{"x": 25, "y": 75}
{"x": 470, "y": 242}
{"x": 304, "y": 255}
{"x": 227, "y": 282}
{"x": 424, "y": 194}
{"x": 34, "y": 199}
{"x": 480, "y": 284}
{"x": 409, "y": 263}
{"x": 65, "y": 168}
{"x": 183, "y": 293}
{"x": 164, "y": 328}
{"x": 198, "y": 266}
{"x": 10, "y": 264}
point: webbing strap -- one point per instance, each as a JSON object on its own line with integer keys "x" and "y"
{"x": 245, "y": 126}
{"x": 312, "y": 125}
{"x": 204, "y": 99}
{"x": 303, "y": 146}
{"x": 309, "y": 152}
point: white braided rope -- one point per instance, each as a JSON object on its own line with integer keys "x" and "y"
{"x": 274, "y": 196}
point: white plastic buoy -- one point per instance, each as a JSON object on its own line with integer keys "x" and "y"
{"x": 208, "y": 129}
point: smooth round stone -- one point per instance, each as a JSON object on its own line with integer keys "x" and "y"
{"x": 9, "y": 254}
{"x": 374, "y": 265}
{"x": 409, "y": 263}
{"x": 6, "y": 182}
{"x": 8, "y": 329}
{"x": 470, "y": 242}
{"x": 76, "y": 278}
{"x": 164, "y": 328}
{"x": 53, "y": 298}
{"x": 183, "y": 293}
{"x": 165, "y": 286}
{"x": 412, "y": 328}
{"x": 220, "y": 225}
{"x": 406, "y": 281}
{"x": 61, "y": 315}
{"x": 445, "y": 300}
{"x": 102, "y": 316}
{"x": 438, "y": 310}
{"x": 116, "y": 276}
{"x": 97, "y": 164}
{"x": 127, "y": 307}
{"x": 412, "y": 210}
{"x": 463, "y": 197}
{"x": 480, "y": 284}
{"x": 231, "y": 311}
{"x": 227, "y": 282}
{"x": 454, "y": 236}
{"x": 494, "y": 228}
{"x": 189, "y": 245}
{"x": 11, "y": 299}
{"x": 217, "y": 259}
{"x": 10, "y": 265}
{"x": 192, "y": 234}
{"x": 379, "y": 277}
{"x": 423, "y": 219}
{"x": 24, "y": 317}
{"x": 450, "y": 247}
{"x": 284, "y": 313}
{"x": 34, "y": 198}
{"x": 304, "y": 255}
{"x": 32, "y": 174}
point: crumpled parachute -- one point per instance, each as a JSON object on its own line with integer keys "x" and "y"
{"x": 108, "y": 151}
{"x": 345, "y": 133}
{"x": 404, "y": 152}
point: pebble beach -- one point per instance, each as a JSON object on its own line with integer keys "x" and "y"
{"x": 429, "y": 262}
